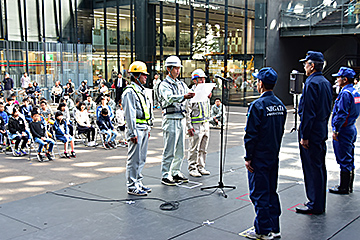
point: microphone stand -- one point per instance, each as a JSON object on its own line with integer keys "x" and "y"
{"x": 221, "y": 185}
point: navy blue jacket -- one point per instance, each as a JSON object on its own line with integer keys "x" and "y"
{"x": 265, "y": 127}
{"x": 346, "y": 108}
{"x": 60, "y": 131}
{"x": 315, "y": 108}
{"x": 8, "y": 83}
{"x": 104, "y": 123}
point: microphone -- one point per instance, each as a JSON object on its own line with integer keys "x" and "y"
{"x": 222, "y": 78}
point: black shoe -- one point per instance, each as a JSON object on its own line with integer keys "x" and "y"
{"x": 107, "y": 146}
{"x": 306, "y": 210}
{"x": 111, "y": 144}
{"x": 73, "y": 154}
{"x": 48, "y": 155}
{"x": 137, "y": 192}
{"x": 66, "y": 155}
{"x": 344, "y": 184}
{"x": 40, "y": 158}
{"x": 168, "y": 182}
{"x": 180, "y": 178}
{"x": 146, "y": 189}
{"x": 338, "y": 190}
{"x": 352, "y": 176}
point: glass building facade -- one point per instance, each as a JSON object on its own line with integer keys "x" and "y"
{"x": 81, "y": 39}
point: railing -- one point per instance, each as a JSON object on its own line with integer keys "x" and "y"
{"x": 336, "y": 17}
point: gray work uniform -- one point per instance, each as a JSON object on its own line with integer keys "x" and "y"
{"x": 133, "y": 110}
{"x": 171, "y": 98}
{"x": 197, "y": 117}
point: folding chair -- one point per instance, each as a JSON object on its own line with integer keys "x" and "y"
{"x": 10, "y": 144}
{"x": 100, "y": 134}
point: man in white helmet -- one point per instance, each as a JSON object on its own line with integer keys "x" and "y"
{"x": 172, "y": 96}
{"x": 138, "y": 114}
{"x": 197, "y": 123}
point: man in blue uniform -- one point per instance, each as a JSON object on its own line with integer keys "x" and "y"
{"x": 314, "y": 111}
{"x": 264, "y": 131}
{"x": 346, "y": 111}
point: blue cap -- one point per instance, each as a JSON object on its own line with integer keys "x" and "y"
{"x": 345, "y": 72}
{"x": 266, "y": 75}
{"x": 313, "y": 56}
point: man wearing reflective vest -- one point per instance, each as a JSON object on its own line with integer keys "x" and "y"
{"x": 197, "y": 122}
{"x": 346, "y": 111}
{"x": 138, "y": 114}
{"x": 172, "y": 94}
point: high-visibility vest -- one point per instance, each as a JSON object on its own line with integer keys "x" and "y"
{"x": 204, "y": 113}
{"x": 146, "y": 110}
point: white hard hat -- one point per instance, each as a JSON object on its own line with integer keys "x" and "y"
{"x": 173, "y": 61}
{"x": 197, "y": 73}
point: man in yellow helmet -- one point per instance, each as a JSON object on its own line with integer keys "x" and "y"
{"x": 172, "y": 96}
{"x": 197, "y": 123}
{"x": 138, "y": 115}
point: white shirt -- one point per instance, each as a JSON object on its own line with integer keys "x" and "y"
{"x": 25, "y": 82}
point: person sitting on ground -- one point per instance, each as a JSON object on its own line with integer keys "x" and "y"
{"x": 65, "y": 111}
{"x": 83, "y": 124}
{"x": 104, "y": 105}
{"x": 56, "y": 92}
{"x": 38, "y": 132}
{"x": 26, "y": 109}
{"x": 62, "y": 134}
{"x": 107, "y": 128}
{"x": 17, "y": 132}
{"x": 46, "y": 113}
{"x": 216, "y": 113}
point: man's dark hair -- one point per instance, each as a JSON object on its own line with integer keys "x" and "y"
{"x": 26, "y": 99}
{"x": 218, "y": 99}
{"x": 318, "y": 66}
{"x": 9, "y": 99}
{"x": 61, "y": 105}
{"x": 43, "y": 102}
{"x": 13, "y": 95}
{"x": 42, "y": 99}
{"x": 77, "y": 100}
{"x": 57, "y": 114}
{"x": 268, "y": 86}
{"x": 351, "y": 80}
{"x": 34, "y": 112}
{"x": 104, "y": 111}
{"x": 80, "y": 104}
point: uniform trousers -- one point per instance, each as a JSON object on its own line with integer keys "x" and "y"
{"x": 174, "y": 144}
{"x": 344, "y": 148}
{"x": 198, "y": 146}
{"x": 263, "y": 185}
{"x": 136, "y": 159}
{"x": 315, "y": 176}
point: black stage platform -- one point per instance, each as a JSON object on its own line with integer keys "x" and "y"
{"x": 49, "y": 216}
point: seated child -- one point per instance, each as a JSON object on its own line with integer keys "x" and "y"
{"x": 62, "y": 133}
{"x": 17, "y": 132}
{"x": 106, "y": 127}
{"x": 2, "y": 131}
{"x": 38, "y": 131}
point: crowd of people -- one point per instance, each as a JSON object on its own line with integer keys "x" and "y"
{"x": 70, "y": 115}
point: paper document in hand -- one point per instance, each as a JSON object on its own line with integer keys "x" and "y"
{"x": 202, "y": 92}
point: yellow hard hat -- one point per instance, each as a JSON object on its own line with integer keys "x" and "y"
{"x": 138, "y": 67}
